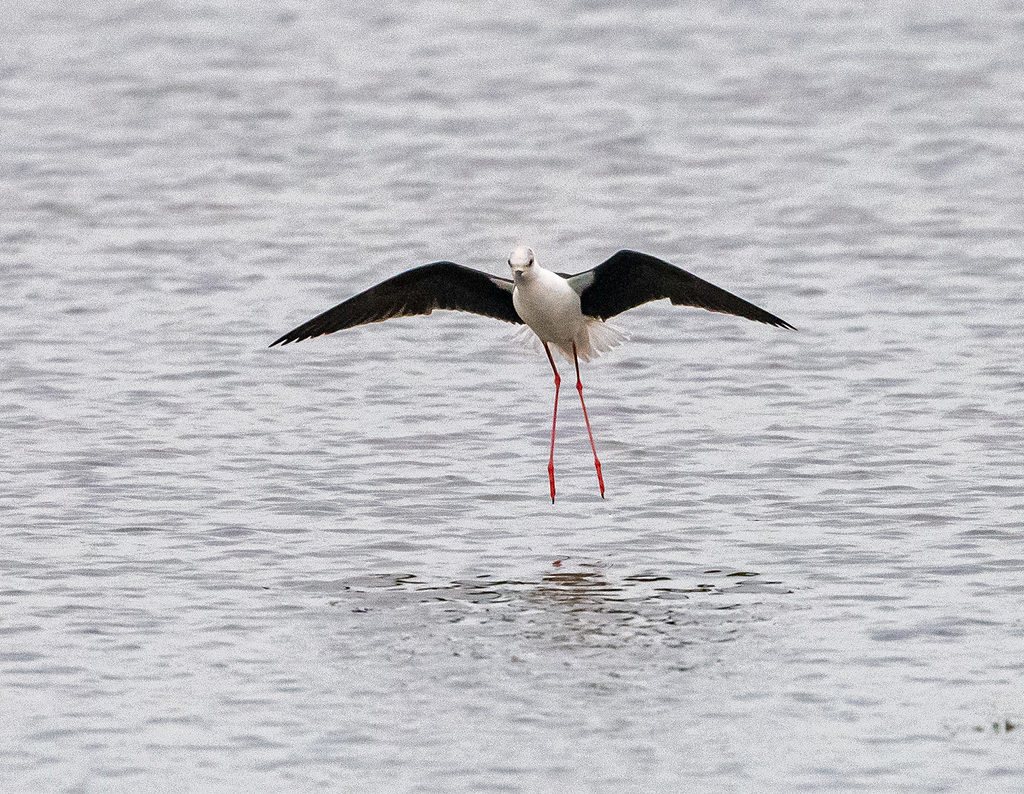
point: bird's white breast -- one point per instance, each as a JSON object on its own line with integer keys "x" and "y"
{"x": 549, "y": 306}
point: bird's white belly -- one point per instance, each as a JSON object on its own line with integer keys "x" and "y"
{"x": 550, "y": 307}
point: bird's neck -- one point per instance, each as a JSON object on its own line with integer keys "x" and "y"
{"x": 534, "y": 275}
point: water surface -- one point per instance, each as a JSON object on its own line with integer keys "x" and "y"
{"x": 334, "y": 566}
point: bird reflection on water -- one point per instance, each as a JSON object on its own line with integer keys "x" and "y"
{"x": 582, "y": 605}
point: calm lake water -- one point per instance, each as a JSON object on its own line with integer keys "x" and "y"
{"x": 334, "y": 566}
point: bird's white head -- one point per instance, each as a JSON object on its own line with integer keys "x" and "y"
{"x": 521, "y": 260}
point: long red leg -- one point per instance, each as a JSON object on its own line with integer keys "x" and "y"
{"x": 554, "y": 418}
{"x": 579, "y": 388}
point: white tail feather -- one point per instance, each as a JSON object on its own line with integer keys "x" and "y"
{"x": 601, "y": 337}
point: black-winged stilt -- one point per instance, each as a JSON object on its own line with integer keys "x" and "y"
{"x": 567, "y": 311}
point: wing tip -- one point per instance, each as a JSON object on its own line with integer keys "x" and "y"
{"x": 768, "y": 319}
{"x": 290, "y": 338}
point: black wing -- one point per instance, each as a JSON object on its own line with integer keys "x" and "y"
{"x": 629, "y": 279}
{"x": 441, "y": 285}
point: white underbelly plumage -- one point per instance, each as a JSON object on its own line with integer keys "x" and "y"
{"x": 551, "y": 308}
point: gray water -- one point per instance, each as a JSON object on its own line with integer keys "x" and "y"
{"x": 334, "y": 566}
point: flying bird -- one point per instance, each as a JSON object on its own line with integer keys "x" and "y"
{"x": 564, "y": 311}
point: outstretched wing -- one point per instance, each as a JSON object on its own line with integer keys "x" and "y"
{"x": 441, "y": 285}
{"x": 629, "y": 279}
